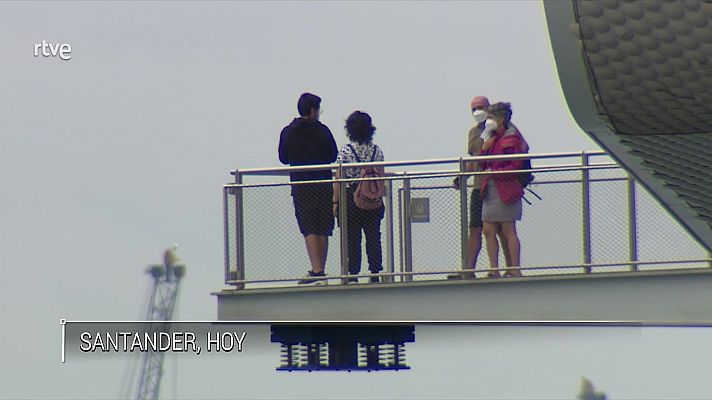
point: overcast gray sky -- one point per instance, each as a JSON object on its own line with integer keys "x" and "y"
{"x": 107, "y": 158}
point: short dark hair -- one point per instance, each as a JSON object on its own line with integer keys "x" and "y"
{"x": 359, "y": 127}
{"x": 501, "y": 110}
{"x": 306, "y": 102}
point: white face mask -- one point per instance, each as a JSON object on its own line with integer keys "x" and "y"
{"x": 479, "y": 116}
{"x": 490, "y": 124}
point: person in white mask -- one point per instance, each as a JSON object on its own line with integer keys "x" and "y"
{"x": 476, "y": 138}
{"x": 502, "y": 192}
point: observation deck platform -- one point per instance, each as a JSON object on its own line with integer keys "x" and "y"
{"x": 596, "y": 247}
{"x": 673, "y": 297}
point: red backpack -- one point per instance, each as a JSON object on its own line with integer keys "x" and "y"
{"x": 369, "y": 194}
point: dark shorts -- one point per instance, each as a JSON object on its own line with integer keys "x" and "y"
{"x": 312, "y": 207}
{"x": 476, "y": 209}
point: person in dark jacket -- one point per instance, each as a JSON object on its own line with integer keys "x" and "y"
{"x": 306, "y": 141}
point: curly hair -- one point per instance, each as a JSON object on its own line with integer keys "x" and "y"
{"x": 501, "y": 110}
{"x": 359, "y": 128}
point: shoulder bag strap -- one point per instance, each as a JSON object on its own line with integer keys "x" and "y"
{"x": 353, "y": 150}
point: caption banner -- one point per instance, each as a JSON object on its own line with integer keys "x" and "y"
{"x": 92, "y": 339}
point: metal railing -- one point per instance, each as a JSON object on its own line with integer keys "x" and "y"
{"x": 621, "y": 228}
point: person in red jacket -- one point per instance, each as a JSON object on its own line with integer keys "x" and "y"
{"x": 478, "y": 106}
{"x": 502, "y": 193}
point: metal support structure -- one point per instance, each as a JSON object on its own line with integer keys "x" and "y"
{"x": 239, "y": 233}
{"x": 632, "y": 225}
{"x": 388, "y": 203}
{"x": 407, "y": 232}
{"x": 330, "y": 347}
{"x": 586, "y": 211}
{"x": 464, "y": 262}
{"x": 163, "y": 298}
{"x": 343, "y": 229}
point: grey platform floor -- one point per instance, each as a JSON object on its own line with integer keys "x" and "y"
{"x": 680, "y": 297}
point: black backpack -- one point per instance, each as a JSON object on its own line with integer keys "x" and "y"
{"x": 525, "y": 178}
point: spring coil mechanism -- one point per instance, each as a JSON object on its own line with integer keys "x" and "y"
{"x": 304, "y": 356}
{"x": 342, "y": 348}
{"x": 382, "y": 356}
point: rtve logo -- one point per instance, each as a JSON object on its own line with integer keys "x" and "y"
{"x": 63, "y": 50}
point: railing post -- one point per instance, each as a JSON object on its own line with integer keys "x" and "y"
{"x": 632, "y": 225}
{"x": 586, "y": 211}
{"x": 239, "y": 232}
{"x": 407, "y": 232}
{"x": 464, "y": 262}
{"x": 343, "y": 231}
{"x": 226, "y": 232}
{"x": 389, "y": 230}
{"x": 401, "y": 218}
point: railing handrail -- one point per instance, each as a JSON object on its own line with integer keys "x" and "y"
{"x": 430, "y": 174}
{"x": 522, "y": 268}
{"x": 318, "y": 167}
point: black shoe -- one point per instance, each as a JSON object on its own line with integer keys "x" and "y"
{"x": 469, "y": 275}
{"x": 312, "y": 279}
{"x": 351, "y": 280}
{"x": 374, "y": 279}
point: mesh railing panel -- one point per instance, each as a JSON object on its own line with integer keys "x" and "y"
{"x": 660, "y": 237}
{"x": 274, "y": 245}
{"x": 230, "y": 232}
{"x": 550, "y": 229}
{"x": 436, "y": 243}
{"x": 609, "y": 224}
